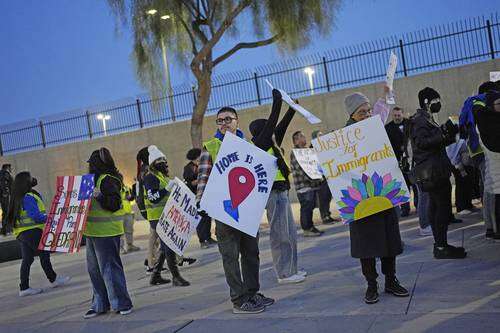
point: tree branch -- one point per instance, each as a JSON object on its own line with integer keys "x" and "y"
{"x": 190, "y": 34}
{"x": 247, "y": 45}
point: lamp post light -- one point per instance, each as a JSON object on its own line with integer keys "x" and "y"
{"x": 103, "y": 118}
{"x": 166, "y": 66}
{"x": 309, "y": 72}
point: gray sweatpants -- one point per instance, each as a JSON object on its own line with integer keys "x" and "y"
{"x": 128, "y": 238}
{"x": 283, "y": 234}
{"x": 488, "y": 203}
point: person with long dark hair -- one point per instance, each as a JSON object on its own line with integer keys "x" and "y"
{"x": 103, "y": 231}
{"x": 27, "y": 218}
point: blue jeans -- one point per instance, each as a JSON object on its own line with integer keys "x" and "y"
{"x": 423, "y": 208}
{"x": 307, "y": 203}
{"x": 106, "y": 274}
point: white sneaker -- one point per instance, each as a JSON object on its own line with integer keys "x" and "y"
{"x": 427, "y": 231}
{"x": 30, "y": 291}
{"x": 60, "y": 280}
{"x": 464, "y": 212}
{"x": 302, "y": 273}
{"x": 292, "y": 279}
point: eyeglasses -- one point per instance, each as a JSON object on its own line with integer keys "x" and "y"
{"x": 227, "y": 120}
{"x": 363, "y": 113}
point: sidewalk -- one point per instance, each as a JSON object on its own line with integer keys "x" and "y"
{"x": 446, "y": 295}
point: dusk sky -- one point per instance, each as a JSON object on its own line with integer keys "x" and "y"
{"x": 60, "y": 55}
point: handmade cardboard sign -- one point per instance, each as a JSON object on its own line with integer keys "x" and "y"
{"x": 308, "y": 161}
{"x": 361, "y": 169}
{"x": 67, "y": 217}
{"x": 179, "y": 219}
{"x": 239, "y": 184}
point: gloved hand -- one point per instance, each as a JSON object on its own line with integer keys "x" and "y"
{"x": 201, "y": 212}
{"x": 277, "y": 95}
{"x": 449, "y": 128}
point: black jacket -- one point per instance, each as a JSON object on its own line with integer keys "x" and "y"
{"x": 5, "y": 184}
{"x": 428, "y": 144}
{"x": 398, "y": 138}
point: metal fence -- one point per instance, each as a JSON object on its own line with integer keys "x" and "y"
{"x": 468, "y": 41}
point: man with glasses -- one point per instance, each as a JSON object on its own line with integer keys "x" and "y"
{"x": 243, "y": 283}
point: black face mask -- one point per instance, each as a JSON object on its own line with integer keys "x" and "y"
{"x": 34, "y": 182}
{"x": 435, "y": 107}
{"x": 162, "y": 167}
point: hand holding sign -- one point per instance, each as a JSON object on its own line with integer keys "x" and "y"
{"x": 288, "y": 100}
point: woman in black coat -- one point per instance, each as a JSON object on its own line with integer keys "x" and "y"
{"x": 377, "y": 235}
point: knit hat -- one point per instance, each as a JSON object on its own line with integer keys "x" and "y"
{"x": 154, "y": 154}
{"x": 257, "y": 126}
{"x": 426, "y": 95}
{"x": 354, "y": 101}
{"x": 193, "y": 154}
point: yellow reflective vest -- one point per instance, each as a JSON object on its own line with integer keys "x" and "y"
{"x": 102, "y": 222}
{"x": 27, "y": 223}
{"x": 154, "y": 210}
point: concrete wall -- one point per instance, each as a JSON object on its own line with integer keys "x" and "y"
{"x": 453, "y": 84}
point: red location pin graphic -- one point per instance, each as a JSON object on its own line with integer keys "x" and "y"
{"x": 241, "y": 183}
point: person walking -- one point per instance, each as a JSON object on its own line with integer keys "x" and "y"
{"x": 156, "y": 194}
{"x": 190, "y": 176}
{"x": 305, "y": 187}
{"x": 377, "y": 235}
{"x": 239, "y": 251}
{"x": 103, "y": 231}
{"x": 268, "y": 135}
{"x": 432, "y": 169}
{"x": 26, "y": 217}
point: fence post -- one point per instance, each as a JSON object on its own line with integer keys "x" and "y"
{"x": 490, "y": 38}
{"x": 325, "y": 67}
{"x": 1, "y": 147}
{"x": 42, "y": 134}
{"x": 257, "y": 88}
{"x": 401, "y": 48}
{"x": 193, "y": 89}
{"x": 89, "y": 125}
{"x": 141, "y": 122}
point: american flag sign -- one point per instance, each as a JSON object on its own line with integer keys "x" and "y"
{"x": 68, "y": 214}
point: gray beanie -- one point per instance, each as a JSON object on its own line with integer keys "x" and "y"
{"x": 354, "y": 101}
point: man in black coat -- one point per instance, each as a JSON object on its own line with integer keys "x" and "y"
{"x": 432, "y": 169}
{"x": 377, "y": 235}
{"x": 5, "y": 191}
{"x": 396, "y": 131}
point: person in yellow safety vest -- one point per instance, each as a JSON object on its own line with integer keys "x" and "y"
{"x": 103, "y": 231}
{"x": 268, "y": 136}
{"x": 127, "y": 240}
{"x": 156, "y": 193}
{"x": 235, "y": 246}
{"x": 27, "y": 217}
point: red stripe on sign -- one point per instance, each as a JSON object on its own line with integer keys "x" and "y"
{"x": 52, "y": 211}
{"x": 76, "y": 227}
{"x": 62, "y": 219}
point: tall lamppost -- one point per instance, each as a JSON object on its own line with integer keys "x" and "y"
{"x": 166, "y": 66}
{"x": 103, "y": 118}
{"x": 309, "y": 72}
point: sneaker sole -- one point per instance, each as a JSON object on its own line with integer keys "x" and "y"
{"x": 371, "y": 302}
{"x": 388, "y": 291}
{"x": 291, "y": 282}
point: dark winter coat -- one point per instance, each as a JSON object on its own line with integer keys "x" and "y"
{"x": 377, "y": 235}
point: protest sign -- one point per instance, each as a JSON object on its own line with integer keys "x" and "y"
{"x": 361, "y": 169}
{"x": 391, "y": 72}
{"x": 494, "y": 76}
{"x": 288, "y": 100}
{"x": 308, "y": 161}
{"x": 179, "y": 219}
{"x": 67, "y": 217}
{"x": 239, "y": 184}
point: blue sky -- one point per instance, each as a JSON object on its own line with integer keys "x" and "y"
{"x": 60, "y": 55}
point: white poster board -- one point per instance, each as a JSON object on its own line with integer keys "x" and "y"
{"x": 239, "y": 185}
{"x": 179, "y": 219}
{"x": 391, "y": 72}
{"x": 494, "y": 76}
{"x": 308, "y": 161}
{"x": 361, "y": 169}
{"x": 297, "y": 107}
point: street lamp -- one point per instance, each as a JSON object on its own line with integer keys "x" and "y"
{"x": 309, "y": 72}
{"x": 103, "y": 118}
{"x": 166, "y": 67}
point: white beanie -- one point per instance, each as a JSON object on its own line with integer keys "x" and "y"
{"x": 154, "y": 154}
{"x": 353, "y": 101}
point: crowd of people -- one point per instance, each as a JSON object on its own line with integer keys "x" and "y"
{"x": 428, "y": 154}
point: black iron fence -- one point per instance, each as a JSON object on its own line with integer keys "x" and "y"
{"x": 468, "y": 41}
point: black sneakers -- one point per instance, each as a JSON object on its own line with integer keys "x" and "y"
{"x": 371, "y": 295}
{"x": 489, "y": 233}
{"x": 248, "y": 307}
{"x": 157, "y": 279}
{"x": 449, "y": 252}
{"x": 392, "y": 286}
{"x": 179, "y": 281}
{"x": 258, "y": 298}
{"x": 189, "y": 261}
